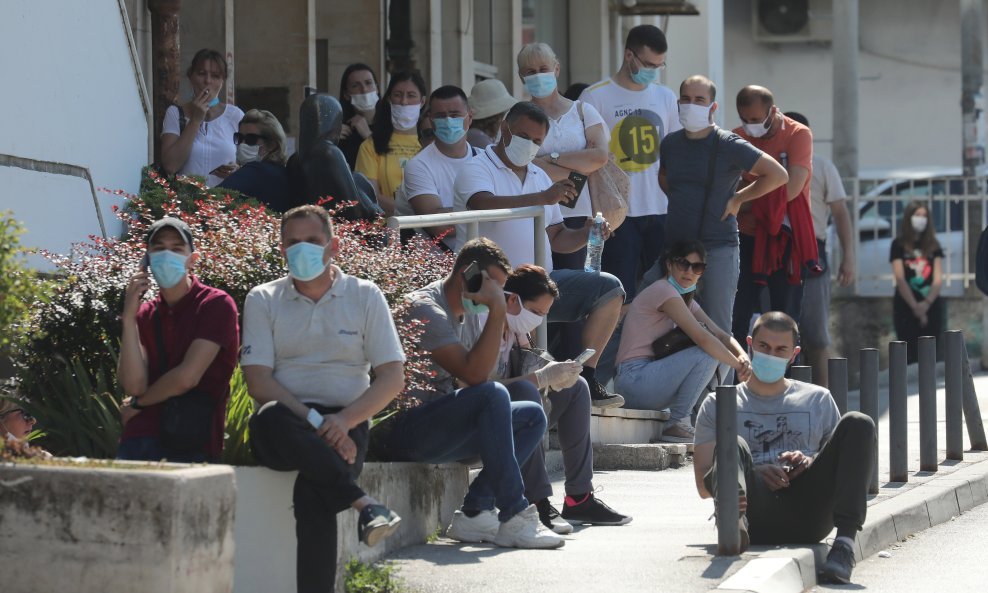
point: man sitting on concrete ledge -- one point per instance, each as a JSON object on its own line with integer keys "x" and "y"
{"x": 310, "y": 340}
{"x": 803, "y": 468}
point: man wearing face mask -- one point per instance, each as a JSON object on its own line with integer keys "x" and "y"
{"x": 503, "y": 176}
{"x": 311, "y": 340}
{"x": 185, "y": 339}
{"x": 805, "y": 468}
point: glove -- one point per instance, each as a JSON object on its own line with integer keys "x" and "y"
{"x": 558, "y": 375}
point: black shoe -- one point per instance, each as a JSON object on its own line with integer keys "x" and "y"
{"x": 376, "y": 523}
{"x": 550, "y": 517}
{"x": 600, "y": 398}
{"x": 840, "y": 562}
{"x": 592, "y": 511}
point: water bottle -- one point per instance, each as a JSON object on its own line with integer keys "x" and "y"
{"x": 595, "y": 244}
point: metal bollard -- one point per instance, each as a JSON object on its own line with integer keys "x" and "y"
{"x": 869, "y": 402}
{"x": 898, "y": 436}
{"x": 837, "y": 378}
{"x": 802, "y": 373}
{"x": 972, "y": 410}
{"x": 728, "y": 536}
{"x": 954, "y": 386}
{"x": 927, "y": 351}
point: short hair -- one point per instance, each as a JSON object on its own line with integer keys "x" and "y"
{"x": 305, "y": 211}
{"x": 527, "y": 109}
{"x": 647, "y": 35}
{"x": 799, "y": 117}
{"x": 529, "y": 282}
{"x": 536, "y": 51}
{"x": 271, "y": 131}
{"x": 777, "y": 321}
{"x": 208, "y": 54}
{"x": 752, "y": 93}
{"x": 680, "y": 249}
{"x": 448, "y": 91}
{"x": 485, "y": 252}
{"x": 700, "y": 79}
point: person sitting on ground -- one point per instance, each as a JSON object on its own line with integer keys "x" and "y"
{"x": 311, "y": 340}
{"x": 462, "y": 332}
{"x": 197, "y": 137}
{"x": 261, "y": 156}
{"x": 184, "y": 343}
{"x": 489, "y": 102}
{"x": 358, "y": 96}
{"x": 530, "y": 295}
{"x": 677, "y": 379}
{"x": 805, "y": 468}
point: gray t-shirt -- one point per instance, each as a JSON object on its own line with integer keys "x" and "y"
{"x": 687, "y": 164}
{"x": 441, "y": 328}
{"x": 801, "y": 418}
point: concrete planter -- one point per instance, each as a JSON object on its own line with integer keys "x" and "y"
{"x": 84, "y": 529}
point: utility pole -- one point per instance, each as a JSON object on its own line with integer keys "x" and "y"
{"x": 845, "y": 64}
{"x": 972, "y": 97}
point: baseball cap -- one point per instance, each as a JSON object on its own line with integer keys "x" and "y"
{"x": 490, "y": 97}
{"x": 172, "y": 223}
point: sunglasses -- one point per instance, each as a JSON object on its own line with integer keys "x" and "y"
{"x": 24, "y": 415}
{"x": 684, "y": 264}
{"x": 248, "y": 139}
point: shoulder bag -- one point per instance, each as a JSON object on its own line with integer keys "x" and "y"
{"x": 609, "y": 187}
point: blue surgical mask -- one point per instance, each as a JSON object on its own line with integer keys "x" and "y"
{"x": 167, "y": 267}
{"x": 679, "y": 287}
{"x": 541, "y": 84}
{"x": 214, "y": 102}
{"x": 645, "y": 75}
{"x": 472, "y": 307}
{"x": 768, "y": 368}
{"x": 448, "y": 130}
{"x": 305, "y": 261}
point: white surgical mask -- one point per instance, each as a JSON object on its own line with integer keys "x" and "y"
{"x": 694, "y": 117}
{"x": 919, "y": 223}
{"x": 405, "y": 117}
{"x": 758, "y": 130}
{"x": 248, "y": 154}
{"x": 520, "y": 151}
{"x": 364, "y": 101}
{"x": 524, "y": 321}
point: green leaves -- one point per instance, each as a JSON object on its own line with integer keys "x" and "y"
{"x": 20, "y": 290}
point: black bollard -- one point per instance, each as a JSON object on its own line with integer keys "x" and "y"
{"x": 927, "y": 351}
{"x": 954, "y": 386}
{"x": 728, "y": 535}
{"x": 802, "y": 373}
{"x": 898, "y": 439}
{"x": 837, "y": 378}
{"x": 869, "y": 402}
{"x": 972, "y": 410}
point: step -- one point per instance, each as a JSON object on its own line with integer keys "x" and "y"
{"x": 624, "y": 426}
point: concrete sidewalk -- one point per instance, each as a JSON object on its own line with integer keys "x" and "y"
{"x": 671, "y": 544}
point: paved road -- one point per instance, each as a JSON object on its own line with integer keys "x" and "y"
{"x": 949, "y": 557}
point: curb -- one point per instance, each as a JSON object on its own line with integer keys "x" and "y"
{"x": 927, "y": 504}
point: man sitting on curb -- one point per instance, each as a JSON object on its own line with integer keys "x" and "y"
{"x": 310, "y": 341}
{"x": 803, "y": 469}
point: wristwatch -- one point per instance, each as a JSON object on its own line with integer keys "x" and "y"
{"x": 134, "y": 405}
{"x": 554, "y": 158}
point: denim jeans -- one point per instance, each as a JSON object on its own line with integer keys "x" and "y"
{"x": 150, "y": 449}
{"x": 674, "y": 382}
{"x": 633, "y": 248}
{"x": 480, "y": 420}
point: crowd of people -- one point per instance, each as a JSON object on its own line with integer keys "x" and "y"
{"x": 714, "y": 218}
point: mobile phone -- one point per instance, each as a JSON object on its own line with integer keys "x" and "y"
{"x": 585, "y": 355}
{"x": 579, "y": 180}
{"x": 472, "y": 280}
{"x": 145, "y": 262}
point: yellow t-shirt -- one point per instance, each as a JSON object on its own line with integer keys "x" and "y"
{"x": 387, "y": 169}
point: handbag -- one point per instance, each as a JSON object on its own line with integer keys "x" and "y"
{"x": 187, "y": 419}
{"x": 675, "y": 340}
{"x": 609, "y": 188}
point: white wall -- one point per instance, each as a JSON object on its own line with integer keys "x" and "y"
{"x": 70, "y": 95}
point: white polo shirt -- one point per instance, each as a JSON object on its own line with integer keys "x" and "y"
{"x": 321, "y": 351}
{"x": 487, "y": 173}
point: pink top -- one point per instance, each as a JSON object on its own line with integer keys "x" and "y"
{"x": 644, "y": 322}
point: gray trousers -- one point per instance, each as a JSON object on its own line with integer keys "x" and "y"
{"x": 570, "y": 414}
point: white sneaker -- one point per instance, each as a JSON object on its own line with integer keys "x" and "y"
{"x": 474, "y": 530}
{"x": 525, "y": 530}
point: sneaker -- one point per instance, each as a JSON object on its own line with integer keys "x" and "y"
{"x": 840, "y": 562}
{"x": 481, "y": 528}
{"x": 551, "y": 519}
{"x": 524, "y": 530}
{"x": 591, "y": 511}
{"x": 744, "y": 539}
{"x": 677, "y": 432}
{"x": 600, "y": 398}
{"x": 376, "y": 523}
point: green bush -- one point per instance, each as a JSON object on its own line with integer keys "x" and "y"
{"x": 371, "y": 578}
{"x": 236, "y": 441}
{"x": 20, "y": 289}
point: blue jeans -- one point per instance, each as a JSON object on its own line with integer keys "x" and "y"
{"x": 480, "y": 420}
{"x": 150, "y": 449}
{"x": 674, "y": 382}
{"x": 633, "y": 248}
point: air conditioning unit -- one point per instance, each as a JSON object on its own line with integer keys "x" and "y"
{"x": 791, "y": 21}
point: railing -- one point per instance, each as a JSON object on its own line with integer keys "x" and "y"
{"x": 471, "y": 220}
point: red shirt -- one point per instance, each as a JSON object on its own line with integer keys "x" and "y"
{"x": 204, "y": 313}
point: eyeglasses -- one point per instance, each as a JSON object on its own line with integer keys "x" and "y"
{"x": 248, "y": 139}
{"x": 661, "y": 66}
{"x": 684, "y": 264}
{"x": 24, "y": 415}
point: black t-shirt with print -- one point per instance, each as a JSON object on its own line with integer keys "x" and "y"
{"x": 918, "y": 267}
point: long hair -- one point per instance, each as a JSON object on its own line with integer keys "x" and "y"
{"x": 382, "y": 128}
{"x": 925, "y": 241}
{"x": 348, "y": 109}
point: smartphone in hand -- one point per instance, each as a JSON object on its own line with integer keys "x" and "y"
{"x": 145, "y": 262}
{"x": 472, "y": 279}
{"x": 579, "y": 180}
{"x": 585, "y": 355}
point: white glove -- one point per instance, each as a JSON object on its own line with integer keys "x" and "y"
{"x": 558, "y": 375}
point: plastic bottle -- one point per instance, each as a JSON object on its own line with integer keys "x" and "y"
{"x": 595, "y": 244}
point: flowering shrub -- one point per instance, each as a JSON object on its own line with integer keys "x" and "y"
{"x": 20, "y": 290}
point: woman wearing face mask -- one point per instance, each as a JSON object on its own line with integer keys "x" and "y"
{"x": 197, "y": 137}
{"x": 576, "y": 141}
{"x": 917, "y": 265}
{"x": 261, "y": 156}
{"x": 489, "y": 102}
{"x": 675, "y": 381}
{"x": 394, "y": 138}
{"x": 358, "y": 96}
{"x": 15, "y": 422}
